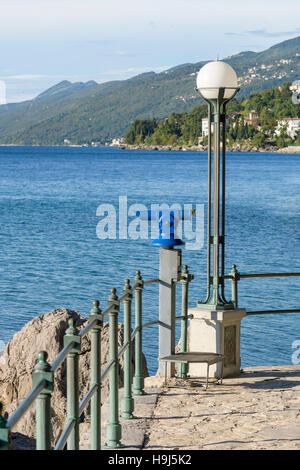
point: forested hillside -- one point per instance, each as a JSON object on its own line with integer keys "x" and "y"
{"x": 185, "y": 128}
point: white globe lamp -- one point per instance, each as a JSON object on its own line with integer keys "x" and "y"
{"x": 217, "y": 80}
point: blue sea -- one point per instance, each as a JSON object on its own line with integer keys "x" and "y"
{"x": 51, "y": 256}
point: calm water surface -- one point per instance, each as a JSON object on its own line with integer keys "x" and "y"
{"x": 51, "y": 257}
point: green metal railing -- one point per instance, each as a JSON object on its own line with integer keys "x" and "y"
{"x": 43, "y": 374}
{"x": 235, "y": 277}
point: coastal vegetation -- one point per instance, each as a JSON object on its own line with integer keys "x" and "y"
{"x": 271, "y": 107}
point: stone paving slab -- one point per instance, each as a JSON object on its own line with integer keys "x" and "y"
{"x": 260, "y": 409}
{"x": 134, "y": 431}
{"x": 289, "y": 433}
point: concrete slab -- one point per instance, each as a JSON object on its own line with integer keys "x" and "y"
{"x": 289, "y": 433}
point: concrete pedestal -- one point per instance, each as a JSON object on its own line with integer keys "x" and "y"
{"x": 217, "y": 332}
{"x": 169, "y": 274}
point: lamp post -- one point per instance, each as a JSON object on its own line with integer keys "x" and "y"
{"x": 217, "y": 84}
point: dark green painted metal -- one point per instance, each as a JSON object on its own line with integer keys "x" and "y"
{"x": 26, "y": 403}
{"x": 265, "y": 312}
{"x": 60, "y": 445}
{"x": 223, "y": 223}
{"x": 216, "y": 241}
{"x": 4, "y": 432}
{"x": 235, "y": 277}
{"x": 151, "y": 281}
{"x": 42, "y": 371}
{"x": 185, "y": 280}
{"x": 209, "y": 207}
{"x": 71, "y": 336}
{"x": 127, "y": 400}
{"x": 114, "y": 430}
{"x": 244, "y": 276}
{"x": 138, "y": 379}
{"x": 95, "y": 314}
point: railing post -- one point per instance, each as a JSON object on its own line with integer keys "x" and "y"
{"x": 127, "y": 401}
{"x": 71, "y": 336}
{"x": 4, "y": 432}
{"x": 138, "y": 380}
{"x": 96, "y": 375}
{"x": 42, "y": 371}
{"x": 185, "y": 280}
{"x": 114, "y": 430}
{"x": 235, "y": 277}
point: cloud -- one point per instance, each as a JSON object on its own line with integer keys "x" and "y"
{"x": 120, "y": 53}
{"x": 264, "y": 33}
{"x": 274, "y": 34}
{"x": 152, "y": 24}
{"x": 26, "y": 77}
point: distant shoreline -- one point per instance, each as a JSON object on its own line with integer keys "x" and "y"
{"x": 247, "y": 149}
{"x": 267, "y": 149}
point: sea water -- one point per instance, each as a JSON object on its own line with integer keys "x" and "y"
{"x": 51, "y": 257}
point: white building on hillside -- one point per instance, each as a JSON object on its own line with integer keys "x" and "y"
{"x": 117, "y": 141}
{"x": 205, "y": 127}
{"x": 292, "y": 126}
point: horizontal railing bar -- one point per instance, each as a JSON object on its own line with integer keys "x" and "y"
{"x": 23, "y": 407}
{"x": 134, "y": 333}
{"x": 88, "y": 327}
{"x": 106, "y": 312}
{"x": 123, "y": 349}
{"x": 244, "y": 276}
{"x": 263, "y": 312}
{"x": 183, "y": 317}
{"x": 105, "y": 372}
{"x": 64, "y": 352}
{"x": 150, "y": 323}
{"x": 121, "y": 299}
{"x": 151, "y": 281}
{"x": 87, "y": 398}
{"x": 136, "y": 330}
{"x": 65, "y": 434}
{"x": 61, "y": 356}
{"x": 124, "y": 297}
{"x": 268, "y": 275}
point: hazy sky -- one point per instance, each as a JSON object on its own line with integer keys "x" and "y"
{"x": 46, "y": 41}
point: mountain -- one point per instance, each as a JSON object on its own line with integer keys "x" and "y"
{"x": 65, "y": 88}
{"x": 86, "y": 112}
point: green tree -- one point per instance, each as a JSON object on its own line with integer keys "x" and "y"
{"x": 259, "y": 139}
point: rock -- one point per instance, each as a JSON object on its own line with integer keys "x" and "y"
{"x": 46, "y": 333}
{"x": 2, "y": 357}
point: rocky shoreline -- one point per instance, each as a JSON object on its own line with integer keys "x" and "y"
{"x": 183, "y": 148}
{"x": 200, "y": 148}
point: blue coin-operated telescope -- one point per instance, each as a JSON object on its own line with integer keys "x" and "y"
{"x": 167, "y": 223}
